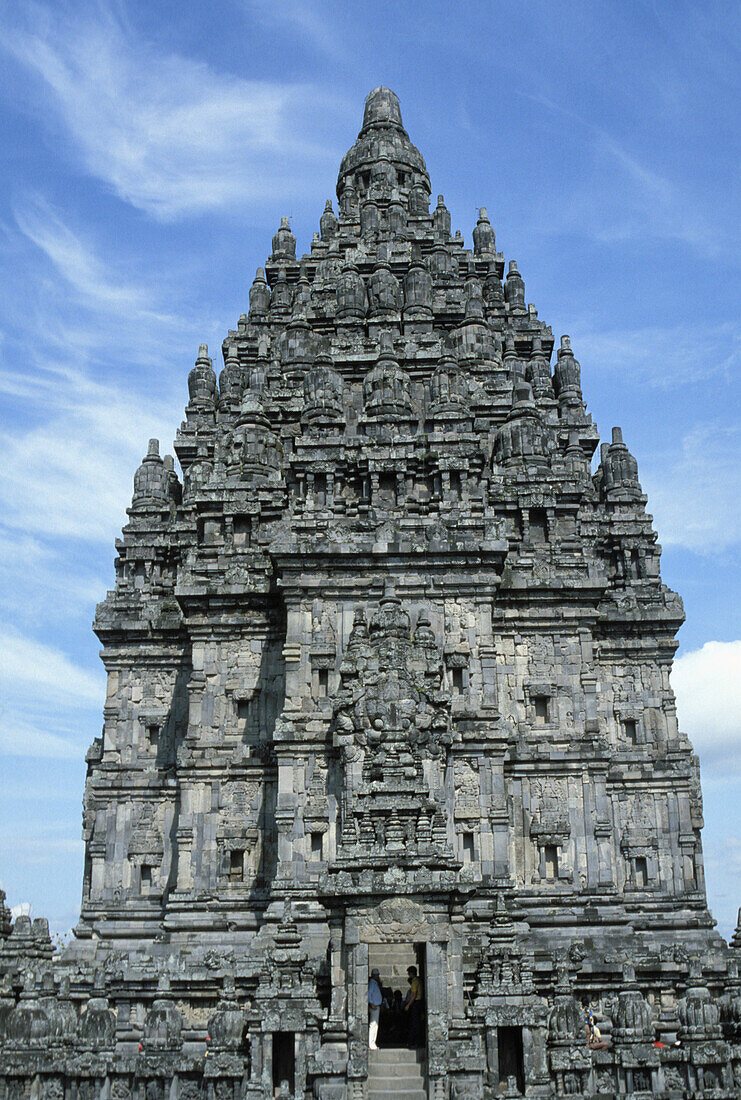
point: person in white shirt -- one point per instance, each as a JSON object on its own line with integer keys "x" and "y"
{"x": 375, "y": 1000}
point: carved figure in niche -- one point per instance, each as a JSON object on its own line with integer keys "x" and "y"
{"x": 551, "y": 792}
{"x": 639, "y": 813}
{"x": 384, "y": 292}
{"x": 641, "y": 1080}
{"x": 465, "y": 1090}
{"x": 147, "y": 833}
{"x": 239, "y": 800}
{"x": 391, "y": 697}
{"x": 466, "y": 790}
{"x": 605, "y": 1081}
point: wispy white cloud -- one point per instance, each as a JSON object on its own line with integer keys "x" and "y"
{"x": 49, "y": 702}
{"x": 707, "y": 684}
{"x": 75, "y": 313}
{"x": 43, "y": 584}
{"x": 77, "y": 261}
{"x": 624, "y": 194}
{"x": 38, "y": 840}
{"x": 311, "y": 23}
{"x": 71, "y": 474}
{"x": 168, "y": 133}
{"x": 694, "y": 492}
{"x": 650, "y": 204}
{"x": 661, "y": 356}
{"x": 73, "y": 259}
{"x": 20, "y": 739}
{"x": 29, "y": 665}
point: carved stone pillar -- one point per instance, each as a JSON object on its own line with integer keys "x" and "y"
{"x": 438, "y": 1016}
{"x": 357, "y": 1009}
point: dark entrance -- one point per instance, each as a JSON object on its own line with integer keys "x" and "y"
{"x": 400, "y": 1026}
{"x": 511, "y": 1062}
{"x": 284, "y": 1060}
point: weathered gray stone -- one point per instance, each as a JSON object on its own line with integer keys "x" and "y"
{"x": 387, "y": 673}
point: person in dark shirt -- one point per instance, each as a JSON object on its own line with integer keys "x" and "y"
{"x": 414, "y": 1008}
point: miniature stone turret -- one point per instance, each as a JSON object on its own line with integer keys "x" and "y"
{"x": 441, "y": 220}
{"x": 699, "y": 1015}
{"x": 284, "y": 242}
{"x": 328, "y": 224}
{"x": 483, "y": 237}
{"x": 7, "y": 1005}
{"x": 384, "y": 292}
{"x": 97, "y": 1022}
{"x": 523, "y": 437}
{"x": 259, "y": 296}
{"x": 323, "y": 394}
{"x": 348, "y": 197}
{"x": 514, "y": 288}
{"x": 202, "y": 382}
{"x": 226, "y": 1026}
{"x": 352, "y": 301}
{"x": 567, "y": 377}
{"x": 619, "y": 468}
{"x": 163, "y": 1023}
{"x": 736, "y": 940}
{"x": 370, "y": 220}
{"x": 231, "y": 379}
{"x": 632, "y": 1020}
{"x": 386, "y": 388}
{"x": 418, "y": 289}
{"x": 257, "y": 448}
{"x": 281, "y": 295}
{"x": 151, "y": 479}
{"x": 513, "y": 365}
{"x": 450, "y": 389}
{"x": 297, "y": 344}
{"x": 538, "y": 371}
{"x": 28, "y": 1024}
{"x": 419, "y": 201}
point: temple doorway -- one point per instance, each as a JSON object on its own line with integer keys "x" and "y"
{"x": 510, "y": 1056}
{"x": 401, "y": 1025}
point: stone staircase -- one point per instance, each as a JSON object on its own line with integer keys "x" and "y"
{"x": 396, "y": 1074}
{"x": 392, "y": 959}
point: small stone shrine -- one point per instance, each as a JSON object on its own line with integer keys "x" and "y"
{"x": 388, "y": 682}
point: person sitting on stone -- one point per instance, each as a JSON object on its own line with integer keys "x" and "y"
{"x": 594, "y": 1035}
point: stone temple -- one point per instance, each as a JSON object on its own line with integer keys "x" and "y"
{"x": 388, "y": 684}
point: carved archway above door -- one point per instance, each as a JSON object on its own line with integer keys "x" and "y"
{"x": 399, "y": 920}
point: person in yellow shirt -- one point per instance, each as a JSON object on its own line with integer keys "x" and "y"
{"x": 413, "y": 1006}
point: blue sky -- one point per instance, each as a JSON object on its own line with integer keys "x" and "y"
{"x": 149, "y": 151}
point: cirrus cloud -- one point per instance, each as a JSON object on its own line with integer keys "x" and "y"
{"x": 168, "y": 133}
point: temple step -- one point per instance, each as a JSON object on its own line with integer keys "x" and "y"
{"x": 392, "y": 960}
{"x": 398, "y": 1091}
{"x": 396, "y": 1072}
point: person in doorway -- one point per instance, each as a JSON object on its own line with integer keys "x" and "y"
{"x": 413, "y": 1007}
{"x": 375, "y": 1000}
